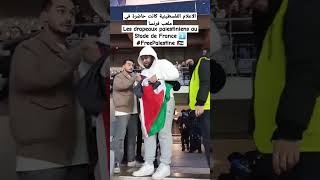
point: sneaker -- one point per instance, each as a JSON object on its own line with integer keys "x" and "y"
{"x": 131, "y": 164}
{"x": 145, "y": 170}
{"x": 116, "y": 169}
{"x": 162, "y": 172}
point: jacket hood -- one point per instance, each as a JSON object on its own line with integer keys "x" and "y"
{"x": 147, "y": 50}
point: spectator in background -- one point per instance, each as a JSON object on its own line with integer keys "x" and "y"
{"x": 235, "y": 11}
{"x": 79, "y": 14}
{"x": 15, "y": 37}
{"x": 15, "y": 33}
{"x": 185, "y": 73}
{"x": 289, "y": 132}
{"x": 96, "y": 19}
{"x": 199, "y": 100}
{"x": 190, "y": 64}
{"x": 184, "y": 127}
{"x": 234, "y": 8}
{"x": 263, "y": 14}
{"x": 183, "y": 64}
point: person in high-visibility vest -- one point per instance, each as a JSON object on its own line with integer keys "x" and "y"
{"x": 287, "y": 88}
{"x": 199, "y": 99}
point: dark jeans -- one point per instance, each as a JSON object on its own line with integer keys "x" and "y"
{"x": 306, "y": 169}
{"x": 120, "y": 126}
{"x": 205, "y": 131}
{"x": 138, "y": 156}
{"x": 66, "y": 173}
{"x": 131, "y": 144}
{"x": 139, "y": 140}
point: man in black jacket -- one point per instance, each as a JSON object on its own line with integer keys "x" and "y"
{"x": 184, "y": 129}
{"x": 199, "y": 99}
{"x": 298, "y": 99}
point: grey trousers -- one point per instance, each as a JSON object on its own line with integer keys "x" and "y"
{"x": 118, "y": 133}
{"x": 66, "y": 173}
{"x": 165, "y": 139}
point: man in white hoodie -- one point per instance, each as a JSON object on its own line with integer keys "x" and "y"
{"x": 158, "y": 70}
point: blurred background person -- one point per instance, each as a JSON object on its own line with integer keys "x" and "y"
{"x": 45, "y": 126}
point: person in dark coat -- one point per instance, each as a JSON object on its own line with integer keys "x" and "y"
{"x": 294, "y": 148}
{"x": 42, "y": 98}
{"x": 184, "y": 127}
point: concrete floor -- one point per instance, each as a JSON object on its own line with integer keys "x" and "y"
{"x": 184, "y": 166}
{"x": 193, "y": 166}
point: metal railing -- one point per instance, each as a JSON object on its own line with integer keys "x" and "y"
{"x": 243, "y": 53}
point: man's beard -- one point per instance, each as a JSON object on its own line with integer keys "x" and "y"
{"x": 149, "y": 65}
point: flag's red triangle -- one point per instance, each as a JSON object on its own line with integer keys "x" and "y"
{"x": 152, "y": 103}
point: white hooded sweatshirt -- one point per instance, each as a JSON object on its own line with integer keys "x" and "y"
{"x": 162, "y": 68}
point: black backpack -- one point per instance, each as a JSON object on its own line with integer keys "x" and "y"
{"x": 218, "y": 77}
{"x": 91, "y": 89}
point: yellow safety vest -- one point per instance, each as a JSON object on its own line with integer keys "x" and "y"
{"x": 269, "y": 84}
{"x": 194, "y": 87}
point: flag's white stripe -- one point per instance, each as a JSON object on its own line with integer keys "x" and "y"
{"x": 143, "y": 127}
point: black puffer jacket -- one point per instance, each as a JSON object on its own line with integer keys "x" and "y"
{"x": 301, "y": 38}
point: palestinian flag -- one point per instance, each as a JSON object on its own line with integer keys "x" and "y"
{"x": 153, "y": 108}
